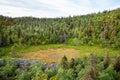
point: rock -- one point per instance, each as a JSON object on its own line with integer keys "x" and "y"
{"x": 53, "y": 65}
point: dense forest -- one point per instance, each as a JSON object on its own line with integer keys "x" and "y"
{"x": 102, "y": 28}
{"x": 97, "y": 28}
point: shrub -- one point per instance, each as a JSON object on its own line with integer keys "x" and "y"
{"x": 53, "y": 78}
{"x": 8, "y": 70}
{"x": 108, "y": 74}
{"x": 93, "y": 60}
{"x": 106, "y": 61}
{"x": 2, "y": 62}
{"x": 36, "y": 69}
{"x": 24, "y": 75}
{"x": 90, "y": 43}
{"x": 61, "y": 75}
{"x": 72, "y": 63}
{"x": 70, "y": 74}
{"x": 50, "y": 72}
{"x": 104, "y": 76}
{"x": 2, "y": 52}
{"x": 117, "y": 64}
{"x": 75, "y": 42}
{"x": 80, "y": 74}
{"x": 41, "y": 77}
{"x": 78, "y": 68}
{"x": 13, "y": 52}
{"x": 90, "y": 74}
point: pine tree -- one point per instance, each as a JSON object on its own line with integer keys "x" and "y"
{"x": 64, "y": 62}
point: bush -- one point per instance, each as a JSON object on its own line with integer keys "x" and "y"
{"x": 104, "y": 76}
{"x": 106, "y": 61}
{"x": 2, "y": 62}
{"x": 117, "y": 64}
{"x": 50, "y": 72}
{"x": 80, "y": 74}
{"x": 2, "y": 52}
{"x": 78, "y": 68}
{"x": 90, "y": 43}
{"x": 40, "y": 77}
{"x": 75, "y": 42}
{"x": 8, "y": 70}
{"x": 61, "y": 75}
{"x": 108, "y": 74}
{"x": 24, "y": 75}
{"x": 36, "y": 69}
{"x": 91, "y": 73}
{"x": 53, "y": 78}
{"x": 70, "y": 74}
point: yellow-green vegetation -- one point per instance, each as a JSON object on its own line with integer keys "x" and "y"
{"x": 53, "y": 52}
{"x": 82, "y": 50}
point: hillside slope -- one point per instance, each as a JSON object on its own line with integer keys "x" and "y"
{"x": 101, "y": 28}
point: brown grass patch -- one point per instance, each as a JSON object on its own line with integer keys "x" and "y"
{"x": 52, "y": 55}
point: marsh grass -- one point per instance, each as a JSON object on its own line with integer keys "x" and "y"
{"x": 82, "y": 50}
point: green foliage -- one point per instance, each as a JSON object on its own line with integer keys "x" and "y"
{"x": 101, "y": 28}
{"x": 78, "y": 68}
{"x": 90, "y": 43}
{"x": 2, "y": 62}
{"x": 23, "y": 75}
{"x": 50, "y": 72}
{"x": 117, "y": 64}
{"x": 105, "y": 76}
{"x": 61, "y": 75}
{"x": 109, "y": 74}
{"x": 2, "y": 52}
{"x": 86, "y": 68}
{"x": 70, "y": 74}
{"x": 90, "y": 74}
{"x": 80, "y": 74}
{"x": 6, "y": 72}
{"x": 75, "y": 42}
